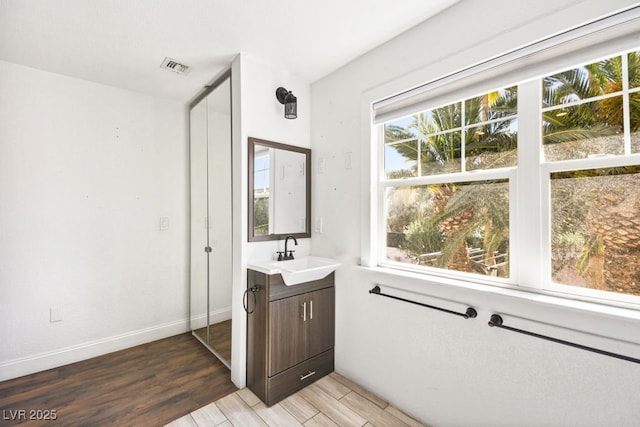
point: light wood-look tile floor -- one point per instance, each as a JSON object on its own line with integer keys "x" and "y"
{"x": 331, "y": 401}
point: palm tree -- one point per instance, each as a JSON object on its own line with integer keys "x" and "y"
{"x": 590, "y": 120}
{"x": 581, "y": 213}
{"x": 477, "y": 214}
{"x": 494, "y": 144}
{"x": 459, "y": 213}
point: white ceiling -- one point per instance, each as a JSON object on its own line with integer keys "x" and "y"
{"x": 122, "y": 42}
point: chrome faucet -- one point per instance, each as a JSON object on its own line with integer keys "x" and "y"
{"x": 287, "y": 254}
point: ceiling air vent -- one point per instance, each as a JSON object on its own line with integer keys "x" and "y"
{"x": 175, "y": 66}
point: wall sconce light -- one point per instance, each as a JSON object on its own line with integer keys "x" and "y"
{"x": 290, "y": 103}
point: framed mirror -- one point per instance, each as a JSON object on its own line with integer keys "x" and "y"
{"x": 279, "y": 190}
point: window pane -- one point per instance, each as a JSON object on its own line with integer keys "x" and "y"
{"x": 427, "y": 143}
{"x": 261, "y": 215}
{"x": 261, "y": 173}
{"x": 633, "y": 59}
{"x": 583, "y": 83}
{"x": 400, "y": 159}
{"x": 440, "y": 119}
{"x": 634, "y": 101}
{"x": 440, "y": 153}
{"x": 596, "y": 229}
{"x": 400, "y": 149}
{"x": 461, "y": 226}
{"x": 490, "y": 106}
{"x": 439, "y": 133}
{"x": 589, "y": 129}
{"x": 261, "y": 194}
{"x": 493, "y": 145}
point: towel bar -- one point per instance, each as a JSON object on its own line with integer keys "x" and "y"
{"x": 470, "y": 313}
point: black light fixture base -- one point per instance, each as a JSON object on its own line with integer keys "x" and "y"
{"x": 281, "y": 94}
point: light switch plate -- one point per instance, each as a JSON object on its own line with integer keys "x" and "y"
{"x": 347, "y": 160}
{"x": 164, "y": 223}
{"x": 55, "y": 314}
{"x": 321, "y": 165}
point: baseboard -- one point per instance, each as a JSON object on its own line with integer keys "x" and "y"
{"x": 53, "y": 359}
{"x": 219, "y": 315}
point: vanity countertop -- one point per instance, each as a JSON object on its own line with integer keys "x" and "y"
{"x": 299, "y": 270}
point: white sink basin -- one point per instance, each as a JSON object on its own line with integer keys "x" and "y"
{"x": 300, "y": 270}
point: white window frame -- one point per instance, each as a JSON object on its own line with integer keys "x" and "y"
{"x": 529, "y": 183}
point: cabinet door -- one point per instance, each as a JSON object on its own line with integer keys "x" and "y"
{"x": 320, "y": 321}
{"x": 287, "y": 333}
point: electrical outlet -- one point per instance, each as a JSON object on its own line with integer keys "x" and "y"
{"x": 318, "y": 225}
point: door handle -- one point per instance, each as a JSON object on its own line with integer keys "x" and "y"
{"x": 311, "y": 310}
{"x": 304, "y": 311}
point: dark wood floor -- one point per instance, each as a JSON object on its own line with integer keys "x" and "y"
{"x": 147, "y": 385}
{"x": 219, "y": 338}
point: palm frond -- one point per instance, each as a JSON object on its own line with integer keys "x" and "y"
{"x": 593, "y": 247}
{"x": 578, "y": 133}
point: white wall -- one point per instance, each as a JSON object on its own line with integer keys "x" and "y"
{"x": 444, "y": 370}
{"x": 86, "y": 171}
{"x": 257, "y": 113}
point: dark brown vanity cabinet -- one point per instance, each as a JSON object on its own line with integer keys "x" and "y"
{"x": 290, "y": 334}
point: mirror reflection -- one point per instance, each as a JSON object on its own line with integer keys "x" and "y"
{"x": 279, "y": 190}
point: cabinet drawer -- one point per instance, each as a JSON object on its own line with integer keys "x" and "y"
{"x": 293, "y": 379}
